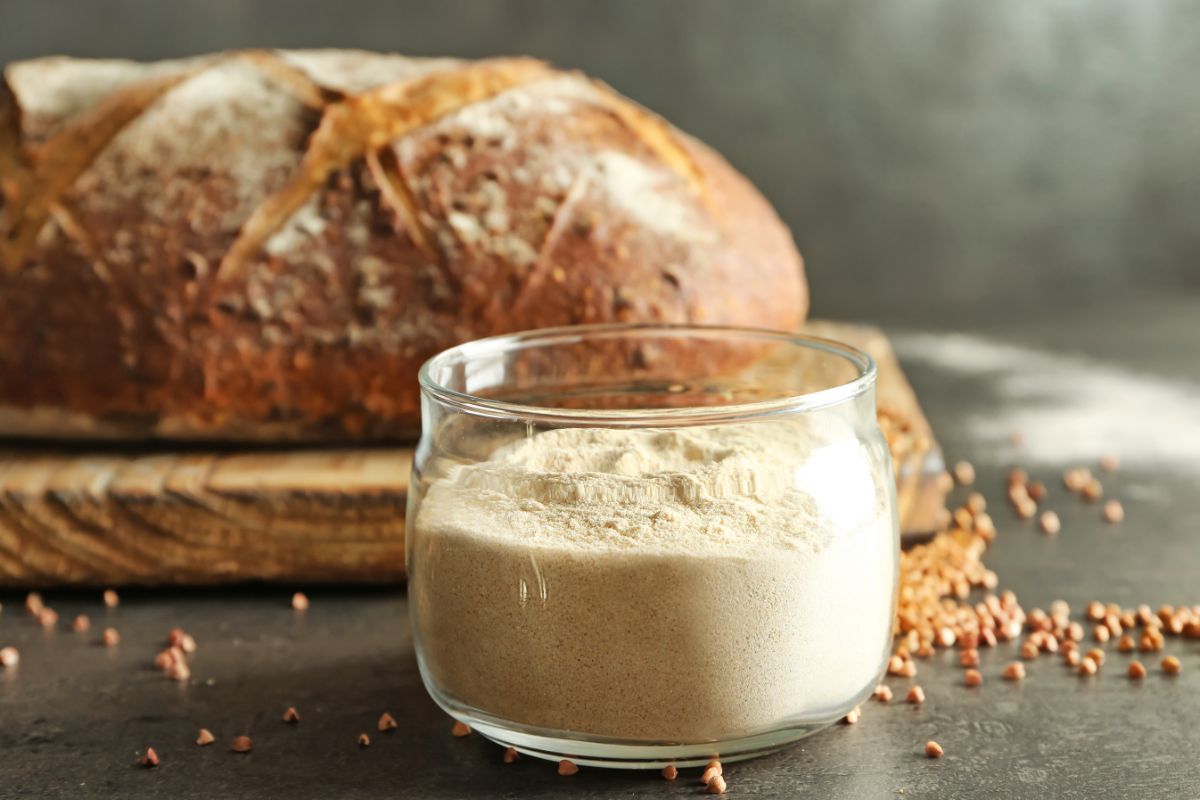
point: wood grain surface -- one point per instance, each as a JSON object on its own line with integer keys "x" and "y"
{"x": 85, "y": 519}
{"x": 92, "y": 518}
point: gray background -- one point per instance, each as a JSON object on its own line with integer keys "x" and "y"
{"x": 1026, "y": 172}
{"x": 972, "y": 152}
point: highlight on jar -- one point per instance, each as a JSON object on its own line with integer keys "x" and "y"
{"x": 651, "y": 545}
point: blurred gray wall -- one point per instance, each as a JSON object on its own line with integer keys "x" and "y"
{"x": 925, "y": 152}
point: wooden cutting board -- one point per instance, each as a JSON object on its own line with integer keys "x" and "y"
{"x": 88, "y": 517}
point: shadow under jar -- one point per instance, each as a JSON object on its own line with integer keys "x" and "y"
{"x": 640, "y": 545}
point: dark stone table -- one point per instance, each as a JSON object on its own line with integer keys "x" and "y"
{"x": 74, "y": 716}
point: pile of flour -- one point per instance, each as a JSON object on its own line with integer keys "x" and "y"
{"x": 670, "y": 585}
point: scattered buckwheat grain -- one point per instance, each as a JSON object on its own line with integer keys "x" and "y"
{"x": 1050, "y": 523}
{"x": 241, "y": 744}
{"x": 916, "y": 695}
{"x": 669, "y": 772}
{"x": 205, "y": 737}
{"x": 713, "y": 767}
{"x": 165, "y": 659}
{"x": 511, "y": 755}
{"x": 946, "y": 637}
{"x": 567, "y": 767}
{"x": 179, "y": 671}
{"x": 9, "y": 657}
{"x": 111, "y": 598}
{"x": 1026, "y": 509}
{"x": 1114, "y": 512}
{"x": 81, "y": 623}
{"x": 291, "y": 716}
{"x": 1015, "y": 671}
{"x": 150, "y": 759}
{"x": 976, "y": 503}
{"x": 300, "y": 601}
{"x": 386, "y": 722}
{"x": 717, "y": 785}
{"x": 1076, "y": 479}
{"x": 460, "y": 729}
{"x": 972, "y": 677}
{"x": 934, "y": 750}
{"x": 883, "y": 693}
{"x": 1152, "y": 641}
{"x": 852, "y": 716}
{"x": 110, "y": 637}
{"x": 364, "y": 740}
{"x": 1171, "y": 665}
{"x": 1137, "y": 670}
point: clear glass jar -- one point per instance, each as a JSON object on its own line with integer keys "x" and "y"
{"x": 641, "y": 545}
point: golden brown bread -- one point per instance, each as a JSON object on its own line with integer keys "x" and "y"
{"x": 266, "y": 245}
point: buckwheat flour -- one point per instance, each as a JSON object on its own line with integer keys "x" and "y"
{"x": 669, "y": 585}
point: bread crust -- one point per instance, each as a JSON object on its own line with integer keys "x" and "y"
{"x": 266, "y": 245}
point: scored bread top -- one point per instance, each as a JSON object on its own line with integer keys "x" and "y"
{"x": 267, "y": 244}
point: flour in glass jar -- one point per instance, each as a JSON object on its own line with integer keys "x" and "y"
{"x": 659, "y": 585}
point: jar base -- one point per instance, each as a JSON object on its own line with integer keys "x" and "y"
{"x": 620, "y": 754}
{"x": 643, "y": 756}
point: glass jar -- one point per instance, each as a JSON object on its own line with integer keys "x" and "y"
{"x": 634, "y": 545}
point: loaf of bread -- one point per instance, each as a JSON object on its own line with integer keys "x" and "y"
{"x": 266, "y": 245}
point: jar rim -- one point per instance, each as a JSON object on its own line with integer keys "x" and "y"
{"x": 863, "y": 363}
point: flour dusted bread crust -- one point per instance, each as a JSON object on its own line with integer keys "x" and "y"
{"x": 266, "y": 245}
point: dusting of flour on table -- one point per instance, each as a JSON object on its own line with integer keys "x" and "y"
{"x": 1068, "y": 407}
{"x": 678, "y": 585}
